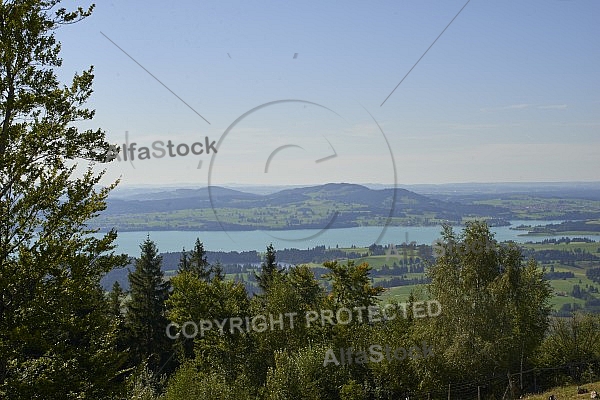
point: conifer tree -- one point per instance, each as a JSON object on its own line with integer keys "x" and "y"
{"x": 115, "y": 300}
{"x": 145, "y": 318}
{"x": 197, "y": 261}
{"x": 268, "y": 269}
{"x": 217, "y": 271}
{"x": 184, "y": 261}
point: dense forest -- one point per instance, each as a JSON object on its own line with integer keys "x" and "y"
{"x": 480, "y": 326}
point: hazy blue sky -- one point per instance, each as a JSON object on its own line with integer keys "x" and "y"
{"x": 510, "y": 92}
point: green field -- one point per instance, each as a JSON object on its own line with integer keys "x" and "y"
{"x": 562, "y": 288}
{"x": 533, "y": 207}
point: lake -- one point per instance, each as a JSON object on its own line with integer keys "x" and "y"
{"x": 171, "y": 241}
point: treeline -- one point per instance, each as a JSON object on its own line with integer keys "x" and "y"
{"x": 593, "y": 274}
{"x": 582, "y": 225}
{"x": 563, "y": 256}
{"x": 401, "y": 281}
{"x": 405, "y": 258}
{"x": 317, "y": 254}
{"x": 234, "y": 262}
{"x": 558, "y": 275}
{"x": 566, "y": 240}
{"x": 398, "y": 270}
{"x": 226, "y": 344}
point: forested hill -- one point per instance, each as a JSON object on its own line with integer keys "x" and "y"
{"x": 336, "y": 205}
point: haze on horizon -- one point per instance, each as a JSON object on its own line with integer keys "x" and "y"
{"x": 509, "y": 92}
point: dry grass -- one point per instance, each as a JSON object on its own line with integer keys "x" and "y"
{"x": 567, "y": 392}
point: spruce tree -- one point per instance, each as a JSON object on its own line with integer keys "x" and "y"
{"x": 184, "y": 262}
{"x": 198, "y": 262}
{"x": 145, "y": 318}
{"x": 115, "y": 300}
{"x": 268, "y": 269}
{"x": 217, "y": 271}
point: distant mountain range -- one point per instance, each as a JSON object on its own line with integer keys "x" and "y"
{"x": 335, "y": 205}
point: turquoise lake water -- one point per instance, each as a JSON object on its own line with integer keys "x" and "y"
{"x": 169, "y": 241}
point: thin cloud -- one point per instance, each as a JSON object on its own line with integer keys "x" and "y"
{"x": 521, "y": 106}
{"x": 472, "y": 126}
{"x": 526, "y": 106}
{"x": 553, "y": 107}
{"x": 518, "y": 106}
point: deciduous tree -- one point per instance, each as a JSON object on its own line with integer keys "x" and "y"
{"x": 57, "y": 338}
{"x": 494, "y": 305}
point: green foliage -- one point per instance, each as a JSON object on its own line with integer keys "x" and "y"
{"x": 183, "y": 262}
{"x": 352, "y": 391}
{"x": 494, "y": 316}
{"x": 145, "y": 318}
{"x": 143, "y": 384}
{"x": 351, "y": 284}
{"x": 57, "y": 338}
{"x": 495, "y": 309}
{"x": 195, "y": 261}
{"x": 196, "y": 300}
{"x": 115, "y": 301}
{"x": 217, "y": 271}
{"x": 287, "y": 300}
{"x": 571, "y": 340}
{"x": 268, "y": 270}
{"x": 188, "y": 383}
{"x": 301, "y": 375}
{"x": 305, "y": 285}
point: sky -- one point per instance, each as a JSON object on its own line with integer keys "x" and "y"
{"x": 288, "y": 93}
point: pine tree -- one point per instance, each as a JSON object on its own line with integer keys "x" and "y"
{"x": 145, "y": 318}
{"x": 217, "y": 271}
{"x": 268, "y": 269}
{"x": 115, "y": 300}
{"x": 184, "y": 262}
{"x": 56, "y": 333}
{"x": 198, "y": 263}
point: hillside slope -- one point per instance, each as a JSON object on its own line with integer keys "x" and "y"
{"x": 333, "y": 205}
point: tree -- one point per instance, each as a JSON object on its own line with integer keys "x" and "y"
{"x": 197, "y": 301}
{"x": 291, "y": 294}
{"x": 55, "y": 327}
{"x": 573, "y": 340}
{"x": 145, "y": 319}
{"x": 188, "y": 383}
{"x": 494, "y": 306}
{"x": 303, "y": 282}
{"x": 351, "y": 285}
{"x": 217, "y": 271}
{"x": 115, "y": 300}
{"x": 301, "y": 375}
{"x": 268, "y": 269}
{"x": 184, "y": 262}
{"x": 197, "y": 262}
